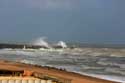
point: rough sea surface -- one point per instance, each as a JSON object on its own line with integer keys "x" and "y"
{"x": 99, "y": 62}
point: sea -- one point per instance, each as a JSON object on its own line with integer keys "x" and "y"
{"x": 104, "y": 63}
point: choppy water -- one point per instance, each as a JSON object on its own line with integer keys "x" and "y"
{"x": 84, "y": 61}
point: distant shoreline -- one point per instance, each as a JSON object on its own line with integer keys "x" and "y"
{"x": 96, "y": 45}
{"x": 70, "y": 45}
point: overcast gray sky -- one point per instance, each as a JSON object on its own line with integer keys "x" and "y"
{"x": 92, "y": 21}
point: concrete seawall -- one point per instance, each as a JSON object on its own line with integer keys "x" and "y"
{"x": 19, "y": 46}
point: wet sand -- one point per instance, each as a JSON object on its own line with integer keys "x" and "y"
{"x": 74, "y": 77}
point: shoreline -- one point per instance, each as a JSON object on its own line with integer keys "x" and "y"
{"x": 75, "y": 77}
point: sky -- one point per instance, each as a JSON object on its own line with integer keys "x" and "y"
{"x": 91, "y": 21}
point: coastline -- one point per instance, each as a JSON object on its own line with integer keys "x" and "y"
{"x": 74, "y": 77}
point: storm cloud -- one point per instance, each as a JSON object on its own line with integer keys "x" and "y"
{"x": 42, "y": 4}
{"x": 94, "y": 21}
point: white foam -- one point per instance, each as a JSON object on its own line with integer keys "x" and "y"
{"x": 41, "y": 42}
{"x": 62, "y": 44}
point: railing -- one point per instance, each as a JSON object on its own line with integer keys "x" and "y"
{"x": 24, "y": 80}
{"x": 22, "y": 77}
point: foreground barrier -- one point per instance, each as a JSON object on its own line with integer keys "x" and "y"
{"x": 21, "y": 80}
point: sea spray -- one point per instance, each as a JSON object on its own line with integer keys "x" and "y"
{"x": 62, "y": 44}
{"x": 41, "y": 42}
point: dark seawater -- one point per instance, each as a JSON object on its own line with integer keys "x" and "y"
{"x": 93, "y": 62}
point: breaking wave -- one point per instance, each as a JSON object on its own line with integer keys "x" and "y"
{"x": 42, "y": 41}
